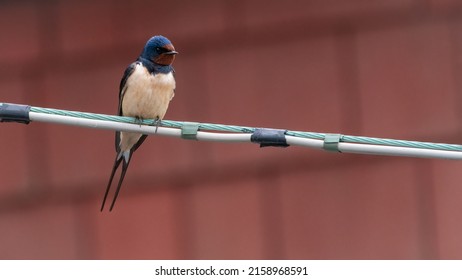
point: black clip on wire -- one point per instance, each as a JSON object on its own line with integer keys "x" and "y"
{"x": 14, "y": 113}
{"x": 267, "y": 137}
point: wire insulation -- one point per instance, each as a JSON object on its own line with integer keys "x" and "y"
{"x": 233, "y": 133}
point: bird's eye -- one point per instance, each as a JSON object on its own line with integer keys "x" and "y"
{"x": 161, "y": 50}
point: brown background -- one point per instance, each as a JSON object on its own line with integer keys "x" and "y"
{"x": 385, "y": 68}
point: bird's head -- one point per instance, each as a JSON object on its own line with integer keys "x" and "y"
{"x": 159, "y": 50}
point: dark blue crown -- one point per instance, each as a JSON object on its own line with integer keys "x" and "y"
{"x": 150, "y": 49}
{"x": 158, "y": 41}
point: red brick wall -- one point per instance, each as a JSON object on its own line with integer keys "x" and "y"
{"x": 388, "y": 68}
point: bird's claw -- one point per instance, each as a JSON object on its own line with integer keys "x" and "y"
{"x": 139, "y": 120}
{"x": 157, "y": 122}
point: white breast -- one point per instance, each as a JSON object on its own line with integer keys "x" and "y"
{"x": 147, "y": 96}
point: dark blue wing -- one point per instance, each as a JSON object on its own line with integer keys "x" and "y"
{"x": 123, "y": 83}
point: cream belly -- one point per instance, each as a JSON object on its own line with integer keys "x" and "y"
{"x": 145, "y": 96}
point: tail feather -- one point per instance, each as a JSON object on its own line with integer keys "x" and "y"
{"x": 114, "y": 169}
{"x": 122, "y": 176}
{"x": 119, "y": 158}
{"x": 123, "y": 157}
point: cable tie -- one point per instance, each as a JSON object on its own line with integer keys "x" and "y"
{"x": 267, "y": 137}
{"x": 331, "y": 142}
{"x": 189, "y": 130}
{"x": 14, "y": 113}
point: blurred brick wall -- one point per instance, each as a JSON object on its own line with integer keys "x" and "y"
{"x": 387, "y": 68}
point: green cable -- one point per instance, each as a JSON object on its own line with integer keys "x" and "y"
{"x": 244, "y": 129}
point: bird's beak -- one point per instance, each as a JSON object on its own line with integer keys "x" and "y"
{"x": 171, "y": 52}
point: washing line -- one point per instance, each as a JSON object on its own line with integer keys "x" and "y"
{"x": 265, "y": 137}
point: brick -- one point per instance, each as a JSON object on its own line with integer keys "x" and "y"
{"x": 170, "y": 19}
{"x": 93, "y": 90}
{"x": 406, "y": 81}
{"x": 226, "y": 221}
{"x": 47, "y": 232}
{"x": 362, "y": 211}
{"x": 191, "y": 101}
{"x": 298, "y": 88}
{"x": 447, "y": 5}
{"x": 447, "y": 193}
{"x": 141, "y": 226}
{"x": 231, "y": 89}
{"x": 260, "y": 12}
{"x": 20, "y": 33}
{"x": 85, "y": 25}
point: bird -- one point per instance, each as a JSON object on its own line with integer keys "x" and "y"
{"x": 146, "y": 89}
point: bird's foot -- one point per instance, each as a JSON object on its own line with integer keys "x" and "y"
{"x": 139, "y": 120}
{"x": 157, "y": 122}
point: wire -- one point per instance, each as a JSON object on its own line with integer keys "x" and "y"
{"x": 233, "y": 133}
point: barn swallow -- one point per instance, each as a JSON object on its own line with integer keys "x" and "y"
{"x": 146, "y": 89}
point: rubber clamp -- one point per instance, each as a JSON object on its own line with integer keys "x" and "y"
{"x": 14, "y": 113}
{"x": 189, "y": 130}
{"x": 269, "y": 137}
{"x": 331, "y": 142}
